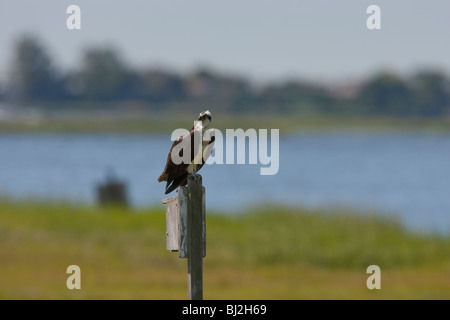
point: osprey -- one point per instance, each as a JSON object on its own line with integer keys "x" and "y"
{"x": 176, "y": 173}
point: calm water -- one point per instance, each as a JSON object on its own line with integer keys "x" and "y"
{"x": 403, "y": 174}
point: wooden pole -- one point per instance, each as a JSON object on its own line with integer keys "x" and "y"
{"x": 186, "y": 231}
{"x": 195, "y": 232}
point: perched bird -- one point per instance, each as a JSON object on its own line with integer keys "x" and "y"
{"x": 176, "y": 173}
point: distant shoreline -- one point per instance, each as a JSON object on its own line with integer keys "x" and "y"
{"x": 100, "y": 121}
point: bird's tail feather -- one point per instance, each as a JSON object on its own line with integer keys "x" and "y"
{"x": 172, "y": 185}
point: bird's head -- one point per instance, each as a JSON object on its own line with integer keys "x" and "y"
{"x": 205, "y": 118}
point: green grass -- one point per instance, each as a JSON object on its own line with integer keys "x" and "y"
{"x": 271, "y": 253}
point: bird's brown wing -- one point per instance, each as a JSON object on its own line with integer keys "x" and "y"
{"x": 174, "y": 174}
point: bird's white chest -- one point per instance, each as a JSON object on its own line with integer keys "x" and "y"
{"x": 199, "y": 153}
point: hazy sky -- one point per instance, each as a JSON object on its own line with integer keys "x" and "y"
{"x": 260, "y": 39}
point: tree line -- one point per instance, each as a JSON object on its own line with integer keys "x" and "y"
{"x": 103, "y": 76}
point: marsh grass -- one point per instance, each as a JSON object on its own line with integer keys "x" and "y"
{"x": 270, "y": 253}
